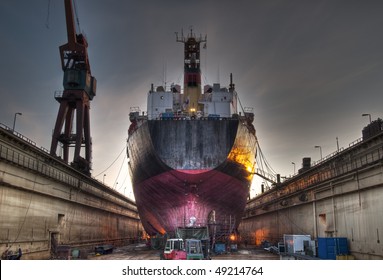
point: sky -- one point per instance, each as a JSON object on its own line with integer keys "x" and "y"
{"x": 309, "y": 68}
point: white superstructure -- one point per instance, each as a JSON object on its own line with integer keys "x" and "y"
{"x": 216, "y": 102}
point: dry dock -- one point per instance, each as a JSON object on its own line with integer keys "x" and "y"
{"x": 45, "y": 204}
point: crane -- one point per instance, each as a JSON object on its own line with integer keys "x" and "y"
{"x": 79, "y": 90}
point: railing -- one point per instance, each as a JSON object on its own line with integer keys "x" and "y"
{"x": 28, "y": 162}
{"x": 58, "y": 94}
{"x": 351, "y": 145}
{"x": 321, "y": 174}
{"x": 19, "y": 135}
{"x": 45, "y": 168}
{"x": 330, "y": 171}
{"x": 330, "y": 156}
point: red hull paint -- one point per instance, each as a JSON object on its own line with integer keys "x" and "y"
{"x": 173, "y": 198}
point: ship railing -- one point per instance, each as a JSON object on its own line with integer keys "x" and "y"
{"x": 188, "y": 116}
{"x": 248, "y": 110}
{"x": 174, "y": 88}
{"x": 135, "y": 109}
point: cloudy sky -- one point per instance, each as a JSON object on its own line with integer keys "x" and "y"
{"x": 309, "y": 68}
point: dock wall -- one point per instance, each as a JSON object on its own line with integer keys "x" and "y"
{"x": 45, "y": 203}
{"x": 338, "y": 197}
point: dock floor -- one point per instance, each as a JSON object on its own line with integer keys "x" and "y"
{"x": 141, "y": 252}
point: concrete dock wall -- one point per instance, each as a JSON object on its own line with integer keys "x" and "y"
{"x": 339, "y": 197}
{"x": 45, "y": 203}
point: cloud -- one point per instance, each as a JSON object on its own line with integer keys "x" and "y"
{"x": 309, "y": 68}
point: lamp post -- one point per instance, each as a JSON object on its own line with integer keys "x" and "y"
{"x": 14, "y": 120}
{"x": 320, "y": 149}
{"x": 369, "y": 116}
{"x": 103, "y": 179}
{"x": 293, "y": 163}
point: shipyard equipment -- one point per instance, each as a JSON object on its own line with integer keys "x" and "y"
{"x": 79, "y": 90}
{"x": 179, "y": 249}
{"x": 298, "y": 244}
{"x": 174, "y": 249}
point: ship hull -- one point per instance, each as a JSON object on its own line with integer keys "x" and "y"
{"x": 191, "y": 172}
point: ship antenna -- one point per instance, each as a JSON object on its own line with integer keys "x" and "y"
{"x": 232, "y": 86}
{"x": 181, "y": 38}
{"x": 164, "y": 75}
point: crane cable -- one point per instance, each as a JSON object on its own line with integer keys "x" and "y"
{"x": 75, "y": 11}
{"x": 264, "y": 166}
{"x": 261, "y": 161}
{"x": 118, "y": 175}
{"x": 111, "y": 163}
{"x": 77, "y": 19}
{"x": 267, "y": 164}
{"x": 48, "y": 13}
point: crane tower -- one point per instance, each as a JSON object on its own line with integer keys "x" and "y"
{"x": 79, "y": 90}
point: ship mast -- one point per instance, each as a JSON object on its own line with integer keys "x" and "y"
{"x": 79, "y": 89}
{"x": 192, "y": 71}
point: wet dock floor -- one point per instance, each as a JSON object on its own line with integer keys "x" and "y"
{"x": 142, "y": 252}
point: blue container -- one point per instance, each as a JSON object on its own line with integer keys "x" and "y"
{"x": 330, "y": 247}
{"x": 219, "y": 248}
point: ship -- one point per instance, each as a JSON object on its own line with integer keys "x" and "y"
{"x": 192, "y": 154}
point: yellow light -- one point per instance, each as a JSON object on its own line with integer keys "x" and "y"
{"x": 232, "y": 237}
{"x": 192, "y": 109}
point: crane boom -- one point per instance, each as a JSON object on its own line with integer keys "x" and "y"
{"x": 74, "y": 54}
{"x": 70, "y": 24}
